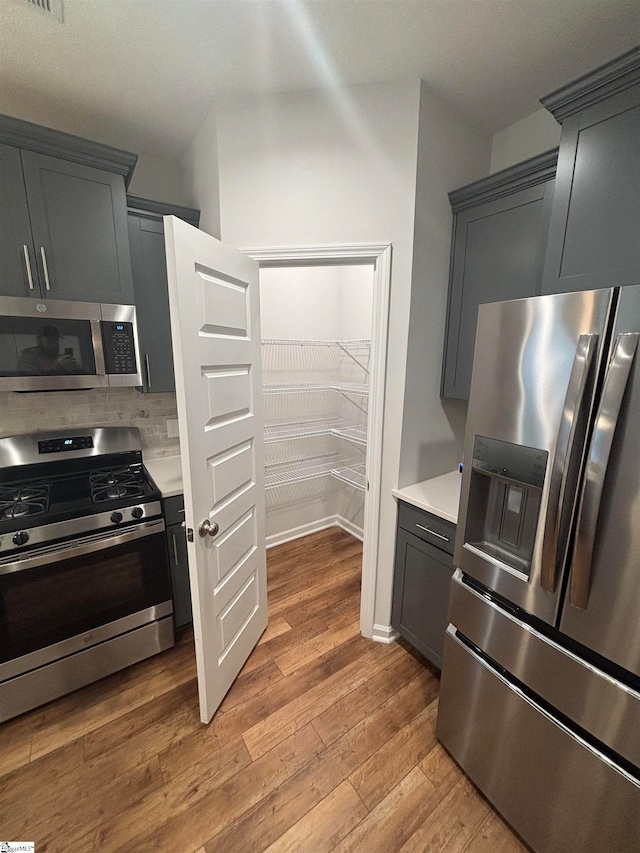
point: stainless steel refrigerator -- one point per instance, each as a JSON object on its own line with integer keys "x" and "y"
{"x": 540, "y": 692}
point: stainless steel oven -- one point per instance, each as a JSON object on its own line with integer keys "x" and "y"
{"x": 54, "y": 345}
{"x": 84, "y": 579}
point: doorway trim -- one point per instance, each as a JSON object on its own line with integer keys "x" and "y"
{"x": 379, "y": 254}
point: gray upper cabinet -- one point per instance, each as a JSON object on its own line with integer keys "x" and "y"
{"x": 79, "y": 224}
{"x": 64, "y": 216}
{"x": 148, "y": 261}
{"x": 18, "y": 275}
{"x": 594, "y": 236}
{"x": 500, "y": 227}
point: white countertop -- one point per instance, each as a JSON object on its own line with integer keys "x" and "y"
{"x": 166, "y": 471}
{"x": 440, "y": 495}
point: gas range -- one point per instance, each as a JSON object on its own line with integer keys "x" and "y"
{"x": 84, "y": 572}
{"x": 59, "y": 485}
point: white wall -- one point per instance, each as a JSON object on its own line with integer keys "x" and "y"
{"x": 159, "y": 179}
{"x": 451, "y": 153}
{"x": 526, "y": 138}
{"x": 154, "y": 177}
{"x": 316, "y": 303}
{"x": 201, "y": 184}
{"x": 341, "y": 166}
{"x": 332, "y": 167}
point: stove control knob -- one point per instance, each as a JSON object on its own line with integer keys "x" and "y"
{"x": 116, "y": 517}
{"x": 21, "y": 538}
{"x": 137, "y": 512}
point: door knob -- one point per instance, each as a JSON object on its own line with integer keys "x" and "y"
{"x": 208, "y": 529}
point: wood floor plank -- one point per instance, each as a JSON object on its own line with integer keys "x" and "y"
{"x": 388, "y": 765}
{"x": 17, "y": 786}
{"x": 249, "y": 683}
{"x": 494, "y": 836}
{"x": 124, "y": 728}
{"x": 452, "y": 824}
{"x": 309, "y": 627}
{"x": 317, "y": 646}
{"x": 310, "y": 592}
{"x": 358, "y": 704}
{"x": 55, "y": 832}
{"x": 325, "y": 825}
{"x": 325, "y": 597}
{"x": 394, "y": 819}
{"x": 217, "y": 809}
{"x": 275, "y": 628}
{"x": 277, "y": 726}
{"x": 183, "y": 791}
{"x": 86, "y": 718}
{"x": 440, "y": 769}
{"x": 125, "y": 764}
{"x": 290, "y": 801}
{"x": 16, "y": 755}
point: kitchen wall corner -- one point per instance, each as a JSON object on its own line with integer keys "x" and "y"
{"x": 97, "y": 407}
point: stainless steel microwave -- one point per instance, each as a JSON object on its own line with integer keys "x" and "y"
{"x": 51, "y": 345}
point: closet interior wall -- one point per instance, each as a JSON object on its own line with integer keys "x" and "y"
{"x": 316, "y": 330}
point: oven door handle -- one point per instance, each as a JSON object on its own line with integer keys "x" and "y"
{"x": 78, "y": 547}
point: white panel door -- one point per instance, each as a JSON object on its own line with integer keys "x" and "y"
{"x": 215, "y": 325}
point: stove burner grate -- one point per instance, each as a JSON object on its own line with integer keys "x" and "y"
{"x": 112, "y": 483}
{"x": 17, "y": 500}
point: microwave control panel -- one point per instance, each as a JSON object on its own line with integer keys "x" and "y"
{"x": 119, "y": 347}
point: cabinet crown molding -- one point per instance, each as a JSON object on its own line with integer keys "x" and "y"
{"x": 529, "y": 173}
{"x": 157, "y": 209}
{"x": 55, "y": 143}
{"x": 609, "y": 79}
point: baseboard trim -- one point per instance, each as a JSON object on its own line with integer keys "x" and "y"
{"x": 314, "y": 527}
{"x": 302, "y": 530}
{"x": 349, "y": 527}
{"x": 384, "y": 634}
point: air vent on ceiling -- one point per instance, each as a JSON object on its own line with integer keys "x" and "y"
{"x": 52, "y": 8}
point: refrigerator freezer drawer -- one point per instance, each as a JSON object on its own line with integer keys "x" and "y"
{"x": 604, "y": 707}
{"x": 560, "y": 794}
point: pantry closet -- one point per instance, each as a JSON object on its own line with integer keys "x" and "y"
{"x": 316, "y": 343}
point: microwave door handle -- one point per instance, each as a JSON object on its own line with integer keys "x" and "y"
{"x": 615, "y": 384}
{"x": 574, "y": 402}
{"x": 98, "y": 349}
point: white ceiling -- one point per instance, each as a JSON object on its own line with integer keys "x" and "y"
{"x": 145, "y": 73}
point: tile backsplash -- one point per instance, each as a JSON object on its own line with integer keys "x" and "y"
{"x": 95, "y": 408}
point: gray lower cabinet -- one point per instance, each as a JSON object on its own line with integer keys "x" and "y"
{"x": 595, "y": 224}
{"x": 148, "y": 262}
{"x": 423, "y": 571}
{"x": 178, "y": 561}
{"x": 500, "y": 227}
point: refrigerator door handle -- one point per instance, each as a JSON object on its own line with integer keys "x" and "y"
{"x": 574, "y": 401}
{"x": 615, "y": 384}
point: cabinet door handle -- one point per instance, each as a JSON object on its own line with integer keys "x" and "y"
{"x": 47, "y": 282}
{"x": 146, "y": 361}
{"x": 27, "y": 262}
{"x": 175, "y": 548}
{"x": 433, "y": 532}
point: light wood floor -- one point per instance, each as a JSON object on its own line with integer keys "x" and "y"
{"x": 325, "y": 742}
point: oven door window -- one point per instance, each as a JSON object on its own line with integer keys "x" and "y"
{"x": 47, "y": 604}
{"x": 31, "y": 346}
